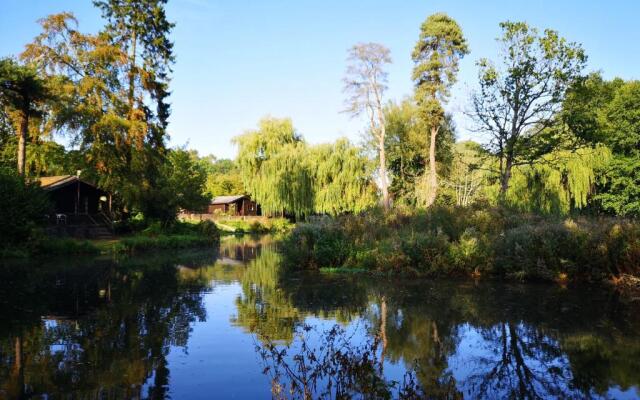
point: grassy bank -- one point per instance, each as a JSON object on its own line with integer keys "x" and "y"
{"x": 469, "y": 242}
{"x": 254, "y": 225}
{"x": 154, "y": 237}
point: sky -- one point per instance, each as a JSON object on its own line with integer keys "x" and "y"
{"x": 240, "y": 60}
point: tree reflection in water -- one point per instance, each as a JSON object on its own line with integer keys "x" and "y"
{"x": 98, "y": 332}
{"x": 104, "y": 329}
{"x": 332, "y": 368}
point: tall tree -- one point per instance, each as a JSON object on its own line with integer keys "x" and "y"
{"x": 436, "y": 56}
{"x": 608, "y": 112}
{"x": 115, "y": 96}
{"x": 22, "y": 91}
{"x": 141, "y": 29}
{"x": 366, "y": 82}
{"x": 406, "y": 157}
{"x": 518, "y": 103}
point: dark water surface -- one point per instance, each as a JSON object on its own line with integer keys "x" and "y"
{"x": 229, "y": 323}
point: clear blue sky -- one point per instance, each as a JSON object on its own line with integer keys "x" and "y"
{"x": 239, "y": 60}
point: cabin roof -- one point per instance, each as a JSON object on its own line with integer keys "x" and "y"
{"x": 227, "y": 199}
{"x": 49, "y": 183}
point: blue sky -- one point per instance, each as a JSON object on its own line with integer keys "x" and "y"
{"x": 239, "y": 60}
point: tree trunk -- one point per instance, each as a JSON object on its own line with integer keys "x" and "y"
{"x": 383, "y": 330}
{"x": 22, "y": 138}
{"x": 433, "y": 177}
{"x": 384, "y": 183}
{"x": 505, "y": 178}
{"x": 132, "y": 73}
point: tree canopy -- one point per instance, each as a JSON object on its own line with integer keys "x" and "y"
{"x": 520, "y": 96}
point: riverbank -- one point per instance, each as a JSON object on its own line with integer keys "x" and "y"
{"x": 181, "y": 235}
{"x": 471, "y": 242}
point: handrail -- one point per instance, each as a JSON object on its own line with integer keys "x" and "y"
{"x": 107, "y": 220}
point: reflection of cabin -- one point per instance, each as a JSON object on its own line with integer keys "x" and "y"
{"x": 234, "y": 205}
{"x": 81, "y": 207}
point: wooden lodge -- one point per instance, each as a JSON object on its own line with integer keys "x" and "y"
{"x": 240, "y": 205}
{"x": 79, "y": 207}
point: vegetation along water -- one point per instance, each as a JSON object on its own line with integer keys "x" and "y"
{"x": 234, "y": 322}
{"x": 480, "y": 240}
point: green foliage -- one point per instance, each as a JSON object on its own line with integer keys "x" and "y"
{"x": 607, "y": 113}
{"x": 258, "y": 225}
{"x": 467, "y": 176}
{"x": 272, "y": 163}
{"x": 180, "y": 182}
{"x": 519, "y": 99}
{"x": 179, "y": 235}
{"x": 23, "y": 95}
{"x": 112, "y": 91}
{"x": 406, "y": 145}
{"x": 23, "y": 208}
{"x": 316, "y": 245}
{"x": 558, "y": 183}
{"x": 620, "y": 122}
{"x": 223, "y": 177}
{"x": 284, "y": 175}
{"x": 64, "y": 246}
{"x": 146, "y": 243}
{"x": 594, "y": 249}
{"x": 436, "y": 56}
{"x": 469, "y": 241}
{"x": 341, "y": 178}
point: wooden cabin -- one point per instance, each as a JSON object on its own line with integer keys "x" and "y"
{"x": 71, "y": 195}
{"x": 240, "y": 205}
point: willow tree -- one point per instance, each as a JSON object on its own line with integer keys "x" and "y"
{"x": 274, "y": 172}
{"x": 436, "y": 56}
{"x": 518, "y": 102}
{"x": 366, "y": 82}
{"x": 559, "y": 182}
{"x": 341, "y": 178}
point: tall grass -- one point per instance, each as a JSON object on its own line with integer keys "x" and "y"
{"x": 469, "y": 241}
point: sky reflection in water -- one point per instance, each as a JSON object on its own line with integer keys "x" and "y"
{"x": 205, "y": 324}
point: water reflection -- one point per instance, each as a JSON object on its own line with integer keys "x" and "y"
{"x": 117, "y": 329}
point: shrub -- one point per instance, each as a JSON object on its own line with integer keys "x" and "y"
{"x": 208, "y": 229}
{"x": 316, "y": 245}
{"x": 23, "y": 207}
{"x": 55, "y": 246}
{"x": 144, "y": 243}
{"x": 469, "y": 241}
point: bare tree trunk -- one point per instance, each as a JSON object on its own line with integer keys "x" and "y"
{"x": 22, "y": 138}
{"x": 384, "y": 183}
{"x": 433, "y": 177}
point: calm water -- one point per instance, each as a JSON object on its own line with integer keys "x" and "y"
{"x": 229, "y": 323}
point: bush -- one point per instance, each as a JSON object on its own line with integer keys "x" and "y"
{"x": 316, "y": 245}
{"x": 144, "y": 243}
{"x": 54, "y": 246}
{"x": 469, "y": 241}
{"x": 262, "y": 225}
{"x": 23, "y": 207}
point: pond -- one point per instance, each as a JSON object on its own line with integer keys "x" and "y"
{"x": 230, "y": 323}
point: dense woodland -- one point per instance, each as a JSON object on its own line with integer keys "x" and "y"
{"x": 551, "y": 137}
